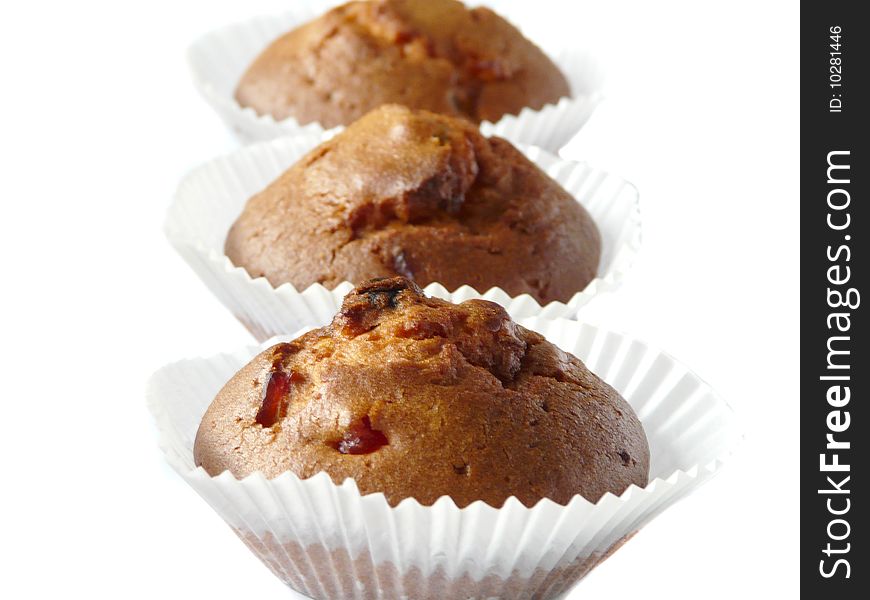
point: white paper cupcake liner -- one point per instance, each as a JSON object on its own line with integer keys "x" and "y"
{"x": 328, "y": 541}
{"x": 218, "y": 60}
{"x": 211, "y": 197}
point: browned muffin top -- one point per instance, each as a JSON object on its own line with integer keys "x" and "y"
{"x": 431, "y": 54}
{"x": 416, "y": 397}
{"x": 421, "y": 195}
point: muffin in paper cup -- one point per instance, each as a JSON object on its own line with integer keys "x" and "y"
{"x": 211, "y": 197}
{"x": 329, "y": 541}
{"x": 218, "y": 60}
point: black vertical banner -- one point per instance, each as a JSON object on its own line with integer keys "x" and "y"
{"x": 835, "y": 341}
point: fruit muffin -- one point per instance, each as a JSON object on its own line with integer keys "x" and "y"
{"x": 431, "y": 54}
{"x": 416, "y": 397}
{"x": 424, "y": 196}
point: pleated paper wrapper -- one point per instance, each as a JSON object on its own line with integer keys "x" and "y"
{"x": 329, "y": 541}
{"x": 218, "y": 59}
{"x": 211, "y": 197}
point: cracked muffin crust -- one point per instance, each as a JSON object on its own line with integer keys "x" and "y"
{"x": 416, "y": 397}
{"x": 412, "y": 193}
{"x": 431, "y": 54}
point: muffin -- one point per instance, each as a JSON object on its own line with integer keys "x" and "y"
{"x": 430, "y": 54}
{"x": 416, "y": 397}
{"x": 424, "y": 196}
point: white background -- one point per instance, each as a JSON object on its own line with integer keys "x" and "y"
{"x": 98, "y": 121}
